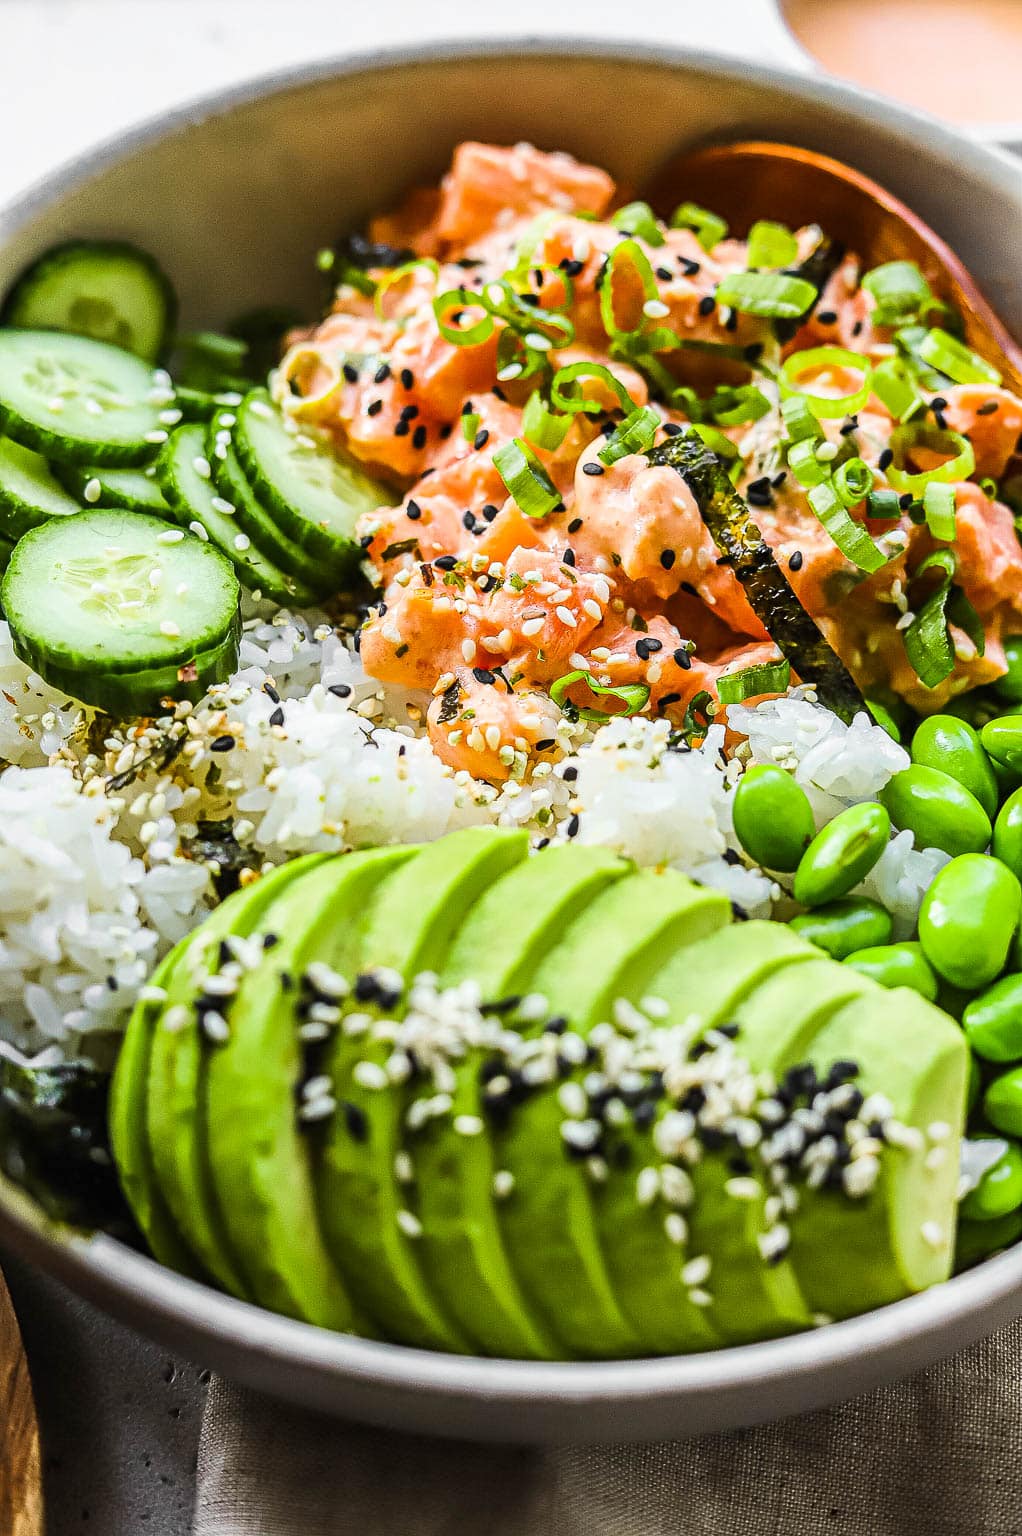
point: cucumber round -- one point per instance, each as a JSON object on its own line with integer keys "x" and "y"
{"x": 78, "y": 401}
{"x": 113, "y": 593}
{"x": 126, "y": 695}
{"x": 201, "y": 405}
{"x": 317, "y": 493}
{"x": 105, "y": 289}
{"x": 181, "y": 471}
{"x": 134, "y": 489}
{"x": 254, "y": 519}
{"x": 29, "y": 493}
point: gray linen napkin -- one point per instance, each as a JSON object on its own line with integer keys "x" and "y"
{"x": 939, "y": 1454}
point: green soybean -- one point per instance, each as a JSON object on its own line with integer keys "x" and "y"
{"x": 968, "y": 919}
{"x": 1007, "y": 843}
{"x": 999, "y": 1190}
{"x": 1009, "y": 686}
{"x": 954, "y": 748}
{"x": 1002, "y": 739}
{"x": 842, "y": 927}
{"x": 773, "y": 818}
{"x": 842, "y": 855}
{"x": 1002, "y": 1102}
{"x": 897, "y": 965}
{"x": 937, "y": 809}
{"x": 978, "y": 1240}
{"x": 993, "y": 1021}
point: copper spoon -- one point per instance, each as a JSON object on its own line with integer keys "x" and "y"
{"x": 21, "y": 1497}
{"x": 756, "y": 179}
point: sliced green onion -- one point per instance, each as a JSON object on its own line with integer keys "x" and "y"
{"x": 939, "y": 507}
{"x": 812, "y": 360}
{"x": 723, "y": 447}
{"x": 927, "y": 640}
{"x": 895, "y": 389}
{"x": 799, "y": 421}
{"x": 709, "y": 227}
{"x": 354, "y": 276}
{"x": 461, "y": 335}
{"x": 805, "y": 466}
{"x": 900, "y": 291}
{"x": 526, "y": 479}
{"x": 638, "y": 219}
{"x": 635, "y": 696}
{"x": 470, "y": 425}
{"x": 735, "y": 407}
{"x": 908, "y": 341}
{"x": 575, "y": 402}
{"x": 627, "y": 254}
{"x": 634, "y": 435}
{"x": 771, "y": 245}
{"x": 883, "y": 505}
{"x": 768, "y": 677}
{"x": 537, "y": 231}
{"x": 853, "y": 480}
{"x": 397, "y": 275}
{"x": 542, "y": 426}
{"x": 944, "y": 351}
{"x": 775, "y": 295}
{"x": 850, "y": 537}
{"x": 920, "y": 434}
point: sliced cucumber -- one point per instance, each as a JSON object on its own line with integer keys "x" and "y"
{"x": 126, "y": 695}
{"x": 316, "y": 493}
{"x": 134, "y": 489}
{"x": 29, "y": 493}
{"x": 78, "y": 401}
{"x": 181, "y": 470}
{"x": 113, "y": 593}
{"x": 100, "y": 288}
{"x": 6, "y": 551}
{"x": 200, "y": 405}
{"x": 253, "y": 519}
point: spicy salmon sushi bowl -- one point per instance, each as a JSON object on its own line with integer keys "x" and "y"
{"x": 513, "y": 774}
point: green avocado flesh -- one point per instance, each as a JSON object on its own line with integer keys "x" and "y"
{"x": 407, "y": 930}
{"x": 334, "y": 1151}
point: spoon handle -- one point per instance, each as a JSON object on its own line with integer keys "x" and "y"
{"x": 21, "y": 1494}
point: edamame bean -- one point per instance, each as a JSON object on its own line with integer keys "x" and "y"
{"x": 773, "y": 818}
{"x": 1002, "y": 738}
{"x": 1010, "y": 685}
{"x": 1007, "y": 843}
{"x": 842, "y": 855}
{"x": 978, "y": 1240}
{"x": 968, "y": 919}
{"x": 953, "y": 747}
{"x": 897, "y": 965}
{"x": 999, "y": 1190}
{"x": 842, "y": 927}
{"x": 993, "y": 1021}
{"x": 938, "y": 810}
{"x": 1002, "y": 1102}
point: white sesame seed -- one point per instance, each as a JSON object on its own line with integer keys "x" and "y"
{"x": 676, "y": 1228}
{"x": 199, "y": 531}
{"x": 172, "y": 536}
{"x": 242, "y": 542}
{"x": 215, "y": 1027}
{"x": 593, "y": 609}
{"x": 369, "y": 1074}
{"x": 503, "y": 1183}
{"x": 93, "y": 490}
{"x": 404, "y": 1170}
{"x": 572, "y": 1099}
{"x": 566, "y": 616}
{"x": 170, "y": 629}
{"x": 468, "y": 1125}
{"x": 468, "y": 649}
{"x": 317, "y": 1109}
{"x": 225, "y": 508}
{"x": 158, "y": 435}
{"x": 932, "y": 1234}
{"x": 410, "y": 1225}
{"x": 700, "y": 1298}
{"x": 532, "y": 627}
{"x": 743, "y": 1188}
{"x": 696, "y": 1271}
{"x": 656, "y": 309}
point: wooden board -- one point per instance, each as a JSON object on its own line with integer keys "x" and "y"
{"x": 21, "y": 1494}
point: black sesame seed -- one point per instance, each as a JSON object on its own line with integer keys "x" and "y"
{"x": 402, "y": 429}
{"x": 277, "y": 718}
{"x": 413, "y": 511}
{"x": 857, "y": 328}
{"x": 571, "y": 829}
{"x": 707, "y": 304}
{"x": 688, "y": 266}
{"x": 483, "y": 675}
{"x": 407, "y": 378}
{"x": 886, "y": 459}
{"x": 779, "y": 479}
{"x": 340, "y": 690}
{"x": 667, "y": 558}
{"x": 570, "y": 775}
{"x": 574, "y": 525}
{"x": 568, "y": 558}
{"x": 481, "y": 438}
{"x": 905, "y": 501}
{"x": 988, "y": 408}
{"x": 355, "y": 1120}
{"x": 665, "y": 274}
{"x": 271, "y": 693}
{"x": 223, "y": 744}
{"x": 350, "y": 373}
{"x": 445, "y": 562}
{"x": 468, "y": 520}
{"x": 827, "y": 316}
{"x": 592, "y": 468}
{"x": 382, "y": 373}
{"x": 271, "y": 940}
{"x": 446, "y": 430}
{"x": 409, "y": 412}
{"x": 672, "y": 429}
{"x": 797, "y": 561}
{"x": 546, "y": 744}
{"x": 490, "y": 511}
{"x": 682, "y": 658}
{"x": 419, "y": 437}
{"x": 938, "y": 403}
{"x": 374, "y": 407}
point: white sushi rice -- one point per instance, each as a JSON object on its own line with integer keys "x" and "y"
{"x": 96, "y": 882}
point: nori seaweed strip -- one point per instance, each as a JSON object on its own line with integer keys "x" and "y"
{"x": 819, "y": 266}
{"x": 769, "y": 593}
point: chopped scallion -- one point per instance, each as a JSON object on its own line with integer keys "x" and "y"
{"x": 944, "y": 351}
{"x": 774, "y": 295}
{"x": 472, "y": 335}
{"x": 574, "y": 401}
{"x": 542, "y": 426}
{"x": 634, "y": 696}
{"x": 771, "y": 245}
{"x": 638, "y": 219}
{"x": 900, "y": 290}
{"x": 708, "y": 227}
{"x": 850, "y": 537}
{"x": 853, "y": 480}
{"x": 751, "y": 682}
{"x": 939, "y": 507}
{"x": 526, "y": 479}
{"x": 634, "y": 435}
{"x": 959, "y": 464}
{"x": 818, "y": 360}
{"x": 927, "y": 640}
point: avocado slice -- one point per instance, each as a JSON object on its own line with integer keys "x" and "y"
{"x": 498, "y": 946}
{"x": 367, "y": 1216}
{"x": 173, "y": 1093}
{"x": 260, "y": 1154}
{"x": 853, "y": 1255}
{"x": 778, "y": 1022}
{"x": 129, "y": 1136}
{"x": 644, "y": 1264}
{"x": 549, "y": 1223}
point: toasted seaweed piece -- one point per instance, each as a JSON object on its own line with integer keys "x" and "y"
{"x": 817, "y": 268}
{"x": 751, "y": 558}
{"x": 217, "y": 846}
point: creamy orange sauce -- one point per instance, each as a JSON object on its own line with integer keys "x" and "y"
{"x": 959, "y": 59}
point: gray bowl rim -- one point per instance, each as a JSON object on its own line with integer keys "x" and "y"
{"x": 123, "y": 1280}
